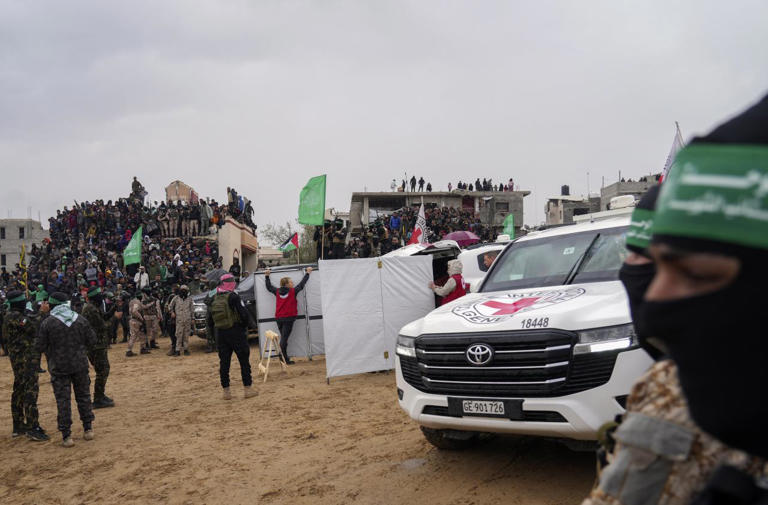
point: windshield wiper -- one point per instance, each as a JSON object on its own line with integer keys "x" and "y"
{"x": 574, "y": 271}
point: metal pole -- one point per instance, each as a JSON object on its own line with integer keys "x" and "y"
{"x": 309, "y": 334}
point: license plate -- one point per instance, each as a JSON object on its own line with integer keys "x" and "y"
{"x": 509, "y": 409}
{"x": 476, "y": 407}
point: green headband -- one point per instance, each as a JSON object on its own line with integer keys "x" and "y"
{"x": 639, "y": 233}
{"x": 55, "y": 301}
{"x": 20, "y": 298}
{"x": 716, "y": 192}
{"x": 95, "y": 291}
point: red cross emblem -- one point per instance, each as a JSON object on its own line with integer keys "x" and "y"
{"x": 510, "y": 308}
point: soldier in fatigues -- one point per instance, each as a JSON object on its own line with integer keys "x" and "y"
{"x": 98, "y": 355}
{"x": 181, "y": 311}
{"x": 65, "y": 338}
{"x": 152, "y": 315}
{"x": 20, "y": 332}
{"x": 694, "y": 431}
{"x": 138, "y": 326}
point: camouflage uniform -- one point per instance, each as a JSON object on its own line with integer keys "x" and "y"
{"x": 20, "y": 332}
{"x": 98, "y": 355}
{"x": 151, "y": 311}
{"x": 661, "y": 456}
{"x": 65, "y": 347}
{"x": 183, "y": 308}
{"x": 137, "y": 325}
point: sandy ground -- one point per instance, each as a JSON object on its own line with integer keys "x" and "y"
{"x": 172, "y": 439}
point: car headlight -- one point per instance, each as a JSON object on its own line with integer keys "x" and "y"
{"x": 610, "y": 338}
{"x": 406, "y": 346}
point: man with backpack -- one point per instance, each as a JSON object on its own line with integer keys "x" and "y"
{"x": 227, "y": 315}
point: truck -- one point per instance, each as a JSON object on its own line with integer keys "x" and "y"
{"x": 545, "y": 347}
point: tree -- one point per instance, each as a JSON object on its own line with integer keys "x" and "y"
{"x": 277, "y": 234}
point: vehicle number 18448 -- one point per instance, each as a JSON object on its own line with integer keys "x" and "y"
{"x": 542, "y": 322}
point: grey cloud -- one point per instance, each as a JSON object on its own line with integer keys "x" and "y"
{"x": 263, "y": 95}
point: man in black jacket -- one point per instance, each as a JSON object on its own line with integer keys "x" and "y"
{"x": 230, "y": 320}
{"x": 65, "y": 338}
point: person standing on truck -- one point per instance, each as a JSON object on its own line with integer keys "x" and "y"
{"x": 454, "y": 287}
{"x": 227, "y": 315}
{"x": 286, "y": 307}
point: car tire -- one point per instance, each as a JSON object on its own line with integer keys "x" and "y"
{"x": 452, "y": 440}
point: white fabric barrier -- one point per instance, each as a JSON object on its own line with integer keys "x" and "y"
{"x": 365, "y": 304}
{"x": 303, "y": 341}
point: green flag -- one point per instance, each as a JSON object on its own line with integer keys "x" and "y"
{"x": 132, "y": 252}
{"x": 509, "y": 225}
{"x": 312, "y": 202}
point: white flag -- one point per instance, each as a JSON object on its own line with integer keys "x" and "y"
{"x": 677, "y": 144}
{"x": 419, "y": 235}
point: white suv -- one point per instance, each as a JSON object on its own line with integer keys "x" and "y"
{"x": 546, "y": 347}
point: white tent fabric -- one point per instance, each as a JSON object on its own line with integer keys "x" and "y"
{"x": 365, "y": 305}
{"x": 301, "y": 342}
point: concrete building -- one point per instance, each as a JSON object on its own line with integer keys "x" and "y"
{"x": 178, "y": 190}
{"x": 562, "y": 209}
{"x": 14, "y": 233}
{"x": 492, "y": 207}
{"x": 626, "y": 187}
{"x": 238, "y": 241}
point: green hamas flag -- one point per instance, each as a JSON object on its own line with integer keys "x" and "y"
{"x": 312, "y": 202}
{"x": 509, "y": 226}
{"x": 132, "y": 252}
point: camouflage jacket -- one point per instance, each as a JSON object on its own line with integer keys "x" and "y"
{"x": 95, "y": 317}
{"x": 19, "y": 331}
{"x": 661, "y": 456}
{"x": 182, "y": 307}
{"x": 65, "y": 346}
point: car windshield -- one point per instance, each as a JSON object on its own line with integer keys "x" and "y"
{"x": 591, "y": 256}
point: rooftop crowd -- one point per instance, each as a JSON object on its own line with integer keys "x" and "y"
{"x": 87, "y": 240}
{"x": 478, "y": 185}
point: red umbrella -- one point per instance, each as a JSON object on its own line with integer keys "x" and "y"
{"x": 464, "y": 238}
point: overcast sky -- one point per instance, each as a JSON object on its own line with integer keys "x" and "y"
{"x": 264, "y": 95}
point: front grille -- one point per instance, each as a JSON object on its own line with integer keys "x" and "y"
{"x": 539, "y": 416}
{"x": 525, "y": 364}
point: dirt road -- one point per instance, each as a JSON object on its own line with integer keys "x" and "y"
{"x": 172, "y": 439}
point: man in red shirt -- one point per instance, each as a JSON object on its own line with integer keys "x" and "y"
{"x": 286, "y": 307}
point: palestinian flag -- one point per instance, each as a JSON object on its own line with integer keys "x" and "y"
{"x": 290, "y": 244}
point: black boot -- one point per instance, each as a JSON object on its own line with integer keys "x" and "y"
{"x": 153, "y": 345}
{"x": 102, "y": 403}
{"x": 37, "y": 434}
{"x": 144, "y": 350}
{"x": 210, "y": 349}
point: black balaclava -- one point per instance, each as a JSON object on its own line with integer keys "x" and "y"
{"x": 637, "y": 278}
{"x": 716, "y": 200}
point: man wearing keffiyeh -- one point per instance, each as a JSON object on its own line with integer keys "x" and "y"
{"x": 65, "y": 338}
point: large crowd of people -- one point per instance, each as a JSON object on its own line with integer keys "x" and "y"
{"x": 388, "y": 233}
{"x": 80, "y": 270}
{"x": 421, "y": 185}
{"x": 85, "y": 249}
